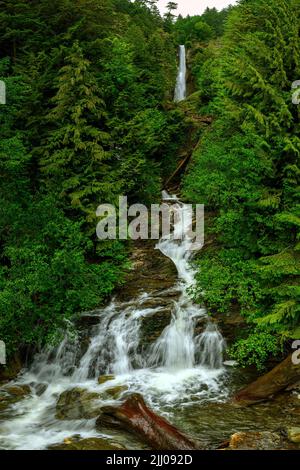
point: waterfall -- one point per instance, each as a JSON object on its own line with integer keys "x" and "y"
{"x": 210, "y": 346}
{"x": 181, "y": 366}
{"x": 180, "y": 90}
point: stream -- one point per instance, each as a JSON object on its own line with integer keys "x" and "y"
{"x": 181, "y": 375}
{"x": 180, "y": 370}
{"x": 177, "y": 369}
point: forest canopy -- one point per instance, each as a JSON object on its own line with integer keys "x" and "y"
{"x": 246, "y": 171}
{"x": 90, "y": 116}
{"x": 86, "y": 120}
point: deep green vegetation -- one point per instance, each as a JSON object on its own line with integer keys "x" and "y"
{"x": 196, "y": 30}
{"x": 88, "y": 83}
{"x": 246, "y": 171}
{"x": 89, "y": 116}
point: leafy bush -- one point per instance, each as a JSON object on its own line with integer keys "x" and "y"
{"x": 255, "y": 350}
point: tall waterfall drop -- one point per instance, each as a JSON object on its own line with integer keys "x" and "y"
{"x": 180, "y": 90}
{"x": 183, "y": 366}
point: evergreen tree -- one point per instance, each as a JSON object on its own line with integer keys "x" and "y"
{"x": 75, "y": 157}
{"x": 247, "y": 169}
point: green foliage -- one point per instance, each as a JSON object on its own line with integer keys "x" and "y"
{"x": 194, "y": 29}
{"x": 255, "y": 350}
{"x": 223, "y": 281}
{"x": 246, "y": 171}
{"x": 87, "y": 119}
{"x": 74, "y": 158}
{"x": 45, "y": 277}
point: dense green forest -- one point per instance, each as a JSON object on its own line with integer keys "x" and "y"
{"x": 246, "y": 171}
{"x": 90, "y": 116}
{"x": 85, "y": 121}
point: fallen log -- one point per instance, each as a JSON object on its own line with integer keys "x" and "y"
{"x": 179, "y": 167}
{"x": 282, "y": 376}
{"x": 134, "y": 416}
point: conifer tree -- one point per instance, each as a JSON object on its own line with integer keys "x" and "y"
{"x": 76, "y": 154}
{"x": 247, "y": 169}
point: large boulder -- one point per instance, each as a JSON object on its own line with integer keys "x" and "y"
{"x": 18, "y": 390}
{"x": 151, "y": 272}
{"x": 77, "y": 403}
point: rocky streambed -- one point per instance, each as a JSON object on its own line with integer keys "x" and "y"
{"x": 84, "y": 396}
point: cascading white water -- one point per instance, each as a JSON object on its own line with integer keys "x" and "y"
{"x": 180, "y": 90}
{"x": 176, "y": 347}
{"x": 180, "y": 366}
{"x": 210, "y": 346}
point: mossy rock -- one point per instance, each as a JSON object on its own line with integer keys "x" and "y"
{"x": 78, "y": 403}
{"x": 18, "y": 390}
{"x": 93, "y": 443}
{"x": 12, "y": 394}
{"x": 105, "y": 378}
{"x": 115, "y": 392}
{"x": 255, "y": 441}
{"x": 294, "y": 434}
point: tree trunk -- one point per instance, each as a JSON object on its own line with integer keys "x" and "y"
{"x": 284, "y": 374}
{"x": 134, "y": 416}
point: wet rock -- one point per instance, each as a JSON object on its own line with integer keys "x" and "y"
{"x": 77, "y": 403}
{"x": 5, "y": 401}
{"x": 151, "y": 271}
{"x": 294, "y": 387}
{"x": 283, "y": 375}
{"x": 134, "y": 416}
{"x": 158, "y": 302}
{"x": 39, "y": 388}
{"x": 153, "y": 325}
{"x": 18, "y": 390}
{"x": 294, "y": 435}
{"x": 93, "y": 443}
{"x": 114, "y": 392}
{"x": 230, "y": 324}
{"x": 105, "y": 378}
{"x": 255, "y": 441}
{"x": 89, "y": 319}
{"x": 12, "y": 369}
{"x": 12, "y": 394}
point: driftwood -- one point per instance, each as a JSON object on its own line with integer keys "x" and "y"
{"x": 134, "y": 416}
{"x": 282, "y": 376}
